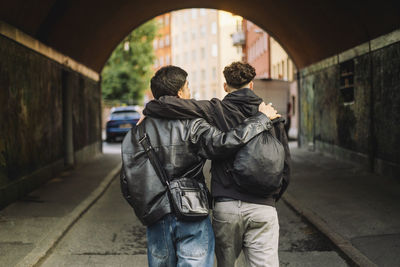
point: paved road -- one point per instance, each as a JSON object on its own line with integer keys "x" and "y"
{"x": 112, "y": 148}
{"x": 110, "y": 235}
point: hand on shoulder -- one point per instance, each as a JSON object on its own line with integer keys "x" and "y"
{"x": 269, "y": 111}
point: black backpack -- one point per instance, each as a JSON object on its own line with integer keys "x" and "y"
{"x": 258, "y": 167}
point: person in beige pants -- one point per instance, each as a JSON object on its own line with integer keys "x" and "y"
{"x": 252, "y": 227}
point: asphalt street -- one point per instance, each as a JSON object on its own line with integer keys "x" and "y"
{"x": 109, "y": 234}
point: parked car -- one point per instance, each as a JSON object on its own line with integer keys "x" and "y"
{"x": 121, "y": 120}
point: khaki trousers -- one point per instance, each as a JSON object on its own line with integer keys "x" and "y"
{"x": 252, "y": 227}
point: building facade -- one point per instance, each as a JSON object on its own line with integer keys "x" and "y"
{"x": 275, "y": 80}
{"x": 265, "y": 54}
{"x": 162, "y": 43}
{"x": 256, "y": 49}
{"x": 202, "y": 45}
{"x": 281, "y": 65}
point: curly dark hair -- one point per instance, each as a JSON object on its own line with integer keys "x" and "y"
{"x": 238, "y": 74}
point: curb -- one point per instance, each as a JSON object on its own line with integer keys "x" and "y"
{"x": 342, "y": 243}
{"x": 42, "y": 248}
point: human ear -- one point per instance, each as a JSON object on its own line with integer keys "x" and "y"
{"x": 251, "y": 85}
{"x": 226, "y": 87}
{"x": 180, "y": 93}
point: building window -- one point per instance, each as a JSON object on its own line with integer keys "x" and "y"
{"x": 279, "y": 71}
{"x": 186, "y": 16}
{"x": 166, "y": 20}
{"x": 239, "y": 26}
{"x": 194, "y": 13}
{"x": 161, "y": 43}
{"x": 193, "y": 34}
{"x": 186, "y": 57}
{"x": 214, "y": 50}
{"x": 203, "y": 30}
{"x": 202, "y": 11}
{"x": 155, "y": 44}
{"x": 161, "y": 61}
{"x": 257, "y": 48}
{"x": 203, "y": 53}
{"x": 265, "y": 42}
{"x": 156, "y": 63}
{"x": 293, "y": 105}
{"x": 193, "y": 55}
{"x": 167, "y": 60}
{"x": 347, "y": 82}
{"x": 214, "y": 73}
{"x": 214, "y": 28}
{"x": 167, "y": 40}
{"x": 203, "y": 75}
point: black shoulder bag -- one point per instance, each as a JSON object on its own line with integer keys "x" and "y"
{"x": 187, "y": 195}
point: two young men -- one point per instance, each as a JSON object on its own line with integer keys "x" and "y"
{"x": 240, "y": 220}
{"x": 182, "y": 145}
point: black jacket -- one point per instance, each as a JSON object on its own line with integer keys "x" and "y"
{"x": 225, "y": 114}
{"x": 182, "y": 147}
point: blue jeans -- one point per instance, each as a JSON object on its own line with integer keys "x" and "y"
{"x": 177, "y": 243}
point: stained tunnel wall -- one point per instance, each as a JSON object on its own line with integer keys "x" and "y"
{"x": 31, "y": 120}
{"x": 31, "y": 116}
{"x": 366, "y": 131}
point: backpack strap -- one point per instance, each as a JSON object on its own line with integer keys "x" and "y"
{"x": 144, "y": 140}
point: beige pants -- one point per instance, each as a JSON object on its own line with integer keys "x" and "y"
{"x": 252, "y": 227}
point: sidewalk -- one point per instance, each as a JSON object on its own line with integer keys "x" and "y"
{"x": 358, "y": 210}
{"x": 31, "y": 226}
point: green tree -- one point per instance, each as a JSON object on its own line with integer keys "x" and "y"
{"x": 127, "y": 72}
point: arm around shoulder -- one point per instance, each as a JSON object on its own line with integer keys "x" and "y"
{"x": 213, "y": 143}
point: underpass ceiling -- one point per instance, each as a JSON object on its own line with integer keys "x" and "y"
{"x": 88, "y": 31}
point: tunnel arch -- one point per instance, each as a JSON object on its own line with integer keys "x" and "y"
{"x": 88, "y": 31}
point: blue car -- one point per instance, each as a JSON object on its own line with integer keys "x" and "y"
{"x": 122, "y": 119}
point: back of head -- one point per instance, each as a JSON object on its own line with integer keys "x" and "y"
{"x": 167, "y": 81}
{"x": 239, "y": 74}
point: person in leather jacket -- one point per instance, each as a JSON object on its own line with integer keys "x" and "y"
{"x": 182, "y": 147}
{"x": 256, "y": 230}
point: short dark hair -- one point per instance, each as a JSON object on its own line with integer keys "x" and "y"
{"x": 167, "y": 81}
{"x": 238, "y": 74}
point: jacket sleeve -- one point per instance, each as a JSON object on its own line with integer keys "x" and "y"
{"x": 214, "y": 144}
{"x": 172, "y": 107}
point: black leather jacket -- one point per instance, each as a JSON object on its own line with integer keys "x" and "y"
{"x": 225, "y": 114}
{"x": 182, "y": 147}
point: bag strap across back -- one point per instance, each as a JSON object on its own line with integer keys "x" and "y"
{"x": 144, "y": 140}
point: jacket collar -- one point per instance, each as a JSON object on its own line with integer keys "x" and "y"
{"x": 245, "y": 99}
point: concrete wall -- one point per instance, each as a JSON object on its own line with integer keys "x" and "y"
{"x": 32, "y": 122}
{"x": 366, "y": 130}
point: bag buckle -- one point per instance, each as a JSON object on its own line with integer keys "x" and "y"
{"x": 143, "y": 138}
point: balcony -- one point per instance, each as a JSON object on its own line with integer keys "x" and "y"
{"x": 238, "y": 38}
